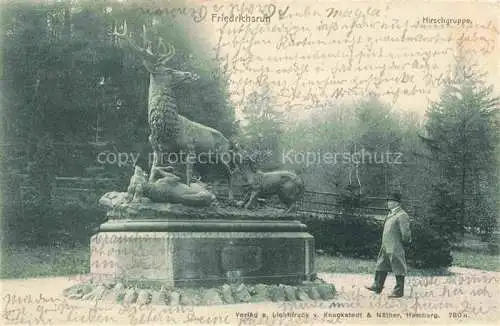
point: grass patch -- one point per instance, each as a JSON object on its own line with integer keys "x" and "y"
{"x": 467, "y": 259}
{"x": 476, "y": 260}
{"x": 332, "y": 264}
{"x": 25, "y": 262}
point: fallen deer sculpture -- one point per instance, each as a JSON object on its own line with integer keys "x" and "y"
{"x": 166, "y": 187}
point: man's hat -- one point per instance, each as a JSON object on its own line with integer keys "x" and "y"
{"x": 394, "y": 196}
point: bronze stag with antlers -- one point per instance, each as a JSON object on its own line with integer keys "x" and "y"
{"x": 170, "y": 132}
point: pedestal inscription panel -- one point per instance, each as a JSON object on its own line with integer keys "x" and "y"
{"x": 203, "y": 258}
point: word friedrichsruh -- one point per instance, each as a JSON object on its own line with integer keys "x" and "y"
{"x": 240, "y": 19}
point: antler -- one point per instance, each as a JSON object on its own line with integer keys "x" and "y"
{"x": 146, "y": 50}
{"x": 168, "y": 49}
{"x": 123, "y": 35}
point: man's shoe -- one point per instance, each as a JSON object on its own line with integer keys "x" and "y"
{"x": 374, "y": 288}
{"x": 378, "y": 283}
{"x": 399, "y": 289}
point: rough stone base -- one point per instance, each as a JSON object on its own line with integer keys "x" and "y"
{"x": 225, "y": 294}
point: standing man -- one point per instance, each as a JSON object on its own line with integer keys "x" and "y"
{"x": 391, "y": 257}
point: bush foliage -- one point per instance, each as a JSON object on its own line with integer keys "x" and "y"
{"x": 69, "y": 223}
{"x": 360, "y": 236}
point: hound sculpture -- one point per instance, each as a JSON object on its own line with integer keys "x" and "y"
{"x": 287, "y": 185}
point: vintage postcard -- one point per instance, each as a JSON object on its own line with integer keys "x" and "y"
{"x": 212, "y": 162}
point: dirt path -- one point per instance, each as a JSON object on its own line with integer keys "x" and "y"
{"x": 469, "y": 296}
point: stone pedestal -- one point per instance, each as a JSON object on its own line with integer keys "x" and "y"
{"x": 208, "y": 252}
{"x": 172, "y": 245}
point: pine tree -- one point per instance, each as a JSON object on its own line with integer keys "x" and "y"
{"x": 261, "y": 136}
{"x": 462, "y": 135}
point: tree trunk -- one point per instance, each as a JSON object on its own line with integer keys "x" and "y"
{"x": 462, "y": 196}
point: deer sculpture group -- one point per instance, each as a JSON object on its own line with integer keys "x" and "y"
{"x": 170, "y": 132}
